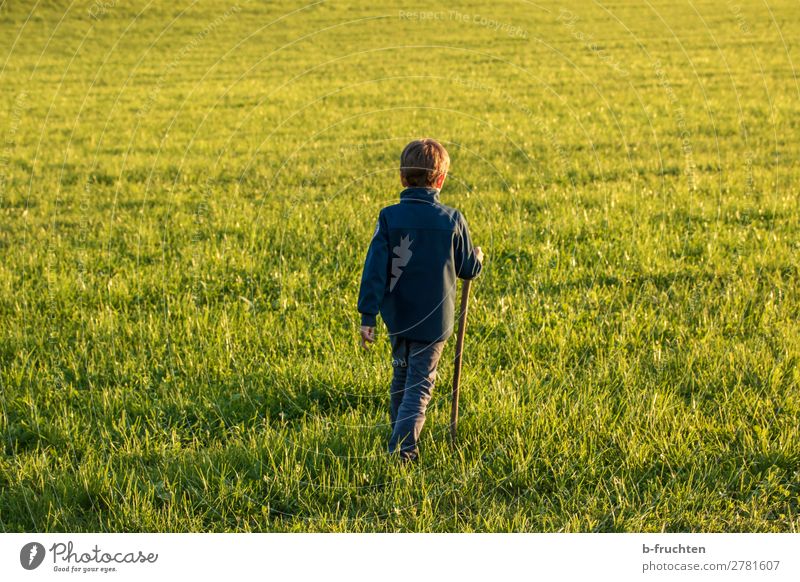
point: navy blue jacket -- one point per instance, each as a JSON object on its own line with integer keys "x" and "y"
{"x": 419, "y": 248}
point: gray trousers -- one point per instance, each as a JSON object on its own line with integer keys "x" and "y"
{"x": 414, "y": 373}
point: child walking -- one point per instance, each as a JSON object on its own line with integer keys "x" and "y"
{"x": 418, "y": 250}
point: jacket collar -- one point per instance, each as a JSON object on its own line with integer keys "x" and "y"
{"x": 419, "y": 194}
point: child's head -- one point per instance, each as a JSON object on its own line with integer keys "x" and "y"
{"x": 424, "y": 163}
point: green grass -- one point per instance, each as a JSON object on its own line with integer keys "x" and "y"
{"x": 187, "y": 196}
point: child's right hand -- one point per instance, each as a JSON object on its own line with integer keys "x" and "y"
{"x": 479, "y": 254}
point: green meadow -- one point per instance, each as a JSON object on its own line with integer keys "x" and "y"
{"x": 187, "y": 192}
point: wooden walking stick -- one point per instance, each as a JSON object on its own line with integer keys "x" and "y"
{"x": 462, "y": 328}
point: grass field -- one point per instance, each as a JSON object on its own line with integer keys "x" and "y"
{"x": 188, "y": 191}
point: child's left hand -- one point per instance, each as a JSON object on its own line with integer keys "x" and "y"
{"x": 367, "y": 336}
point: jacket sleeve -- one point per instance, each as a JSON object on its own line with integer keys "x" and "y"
{"x": 467, "y": 264}
{"x": 373, "y": 279}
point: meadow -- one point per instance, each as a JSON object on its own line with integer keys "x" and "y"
{"x": 187, "y": 191}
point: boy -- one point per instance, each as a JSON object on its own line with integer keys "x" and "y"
{"x": 418, "y": 249}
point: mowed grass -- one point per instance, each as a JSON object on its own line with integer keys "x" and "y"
{"x": 188, "y": 190}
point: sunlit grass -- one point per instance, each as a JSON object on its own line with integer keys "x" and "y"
{"x": 185, "y": 212}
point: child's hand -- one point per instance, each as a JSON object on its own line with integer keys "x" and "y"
{"x": 367, "y": 336}
{"x": 479, "y": 254}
